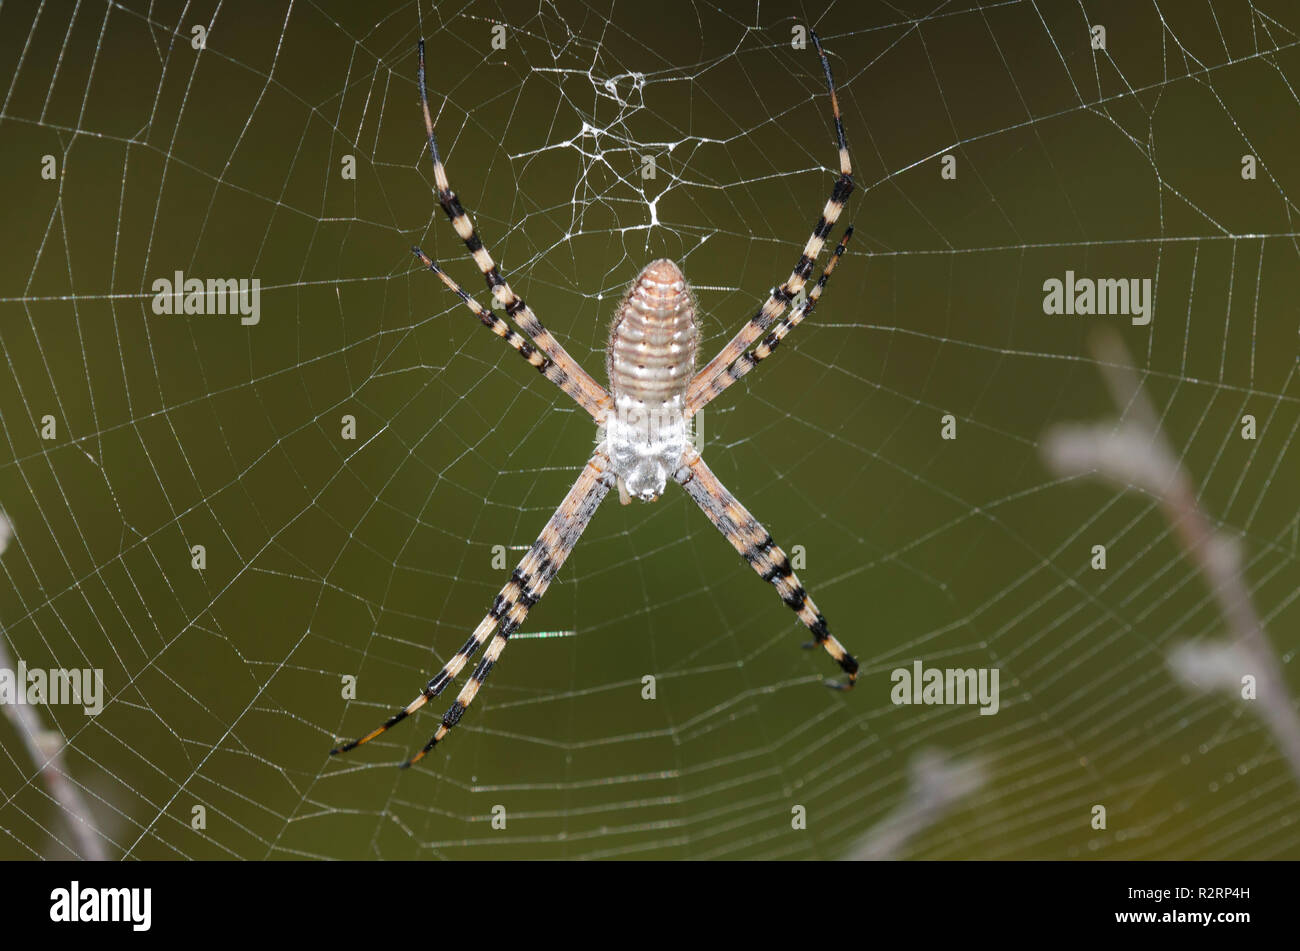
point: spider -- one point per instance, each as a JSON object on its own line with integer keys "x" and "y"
{"x": 643, "y": 420}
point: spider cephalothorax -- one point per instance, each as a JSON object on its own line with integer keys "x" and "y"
{"x": 651, "y": 359}
{"x": 644, "y": 420}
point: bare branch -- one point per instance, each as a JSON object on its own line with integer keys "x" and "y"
{"x": 1133, "y": 453}
{"x": 936, "y": 784}
{"x": 45, "y": 747}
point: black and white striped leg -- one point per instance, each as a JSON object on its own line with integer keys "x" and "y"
{"x": 756, "y": 546}
{"x": 544, "y": 364}
{"x": 706, "y": 380}
{"x": 747, "y": 361}
{"x": 524, "y": 589}
{"x": 590, "y": 395}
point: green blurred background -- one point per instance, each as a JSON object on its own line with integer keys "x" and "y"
{"x": 373, "y": 557}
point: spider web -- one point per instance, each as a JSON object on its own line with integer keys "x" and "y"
{"x": 372, "y": 557}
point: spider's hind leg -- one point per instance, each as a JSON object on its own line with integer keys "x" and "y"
{"x": 524, "y": 589}
{"x": 756, "y": 546}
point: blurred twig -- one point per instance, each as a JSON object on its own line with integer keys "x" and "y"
{"x": 45, "y": 746}
{"x": 1133, "y": 453}
{"x": 936, "y": 784}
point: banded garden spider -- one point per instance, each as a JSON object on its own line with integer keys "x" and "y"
{"x": 644, "y": 420}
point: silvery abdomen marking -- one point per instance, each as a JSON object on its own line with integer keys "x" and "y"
{"x": 651, "y": 361}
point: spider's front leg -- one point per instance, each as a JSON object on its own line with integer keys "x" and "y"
{"x": 714, "y": 378}
{"x": 562, "y": 368}
{"x": 754, "y": 543}
{"x": 524, "y": 589}
{"x": 752, "y": 358}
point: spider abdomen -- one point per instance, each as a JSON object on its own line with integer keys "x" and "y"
{"x": 652, "y": 341}
{"x": 650, "y": 364}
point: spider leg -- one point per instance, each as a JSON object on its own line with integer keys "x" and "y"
{"x": 582, "y": 387}
{"x": 754, "y": 543}
{"x": 750, "y": 359}
{"x": 780, "y": 297}
{"x": 492, "y": 322}
{"x": 524, "y": 589}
